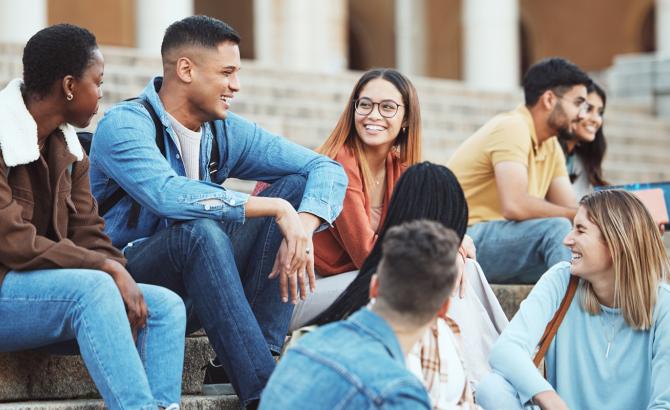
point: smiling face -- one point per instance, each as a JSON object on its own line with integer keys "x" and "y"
{"x": 214, "y": 80}
{"x": 86, "y": 92}
{"x": 567, "y": 112}
{"x": 591, "y": 257}
{"x": 593, "y": 119}
{"x": 377, "y": 131}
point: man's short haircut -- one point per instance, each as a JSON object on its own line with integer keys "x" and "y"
{"x": 53, "y": 53}
{"x": 199, "y": 31}
{"x": 417, "y": 272}
{"x": 552, "y": 74}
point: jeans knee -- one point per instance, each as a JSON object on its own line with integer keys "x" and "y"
{"x": 291, "y": 188}
{"x": 165, "y": 305}
{"x": 558, "y": 227}
{"x": 207, "y": 233}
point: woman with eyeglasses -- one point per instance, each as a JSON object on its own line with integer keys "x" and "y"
{"x": 585, "y": 147}
{"x": 376, "y": 138}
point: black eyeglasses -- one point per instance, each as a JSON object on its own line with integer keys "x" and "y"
{"x": 386, "y": 108}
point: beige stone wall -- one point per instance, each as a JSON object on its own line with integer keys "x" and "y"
{"x": 589, "y": 32}
{"x": 112, "y": 21}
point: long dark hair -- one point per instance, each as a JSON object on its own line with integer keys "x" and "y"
{"x": 591, "y": 154}
{"x": 424, "y": 191}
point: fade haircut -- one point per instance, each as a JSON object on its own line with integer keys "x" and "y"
{"x": 53, "y": 53}
{"x": 556, "y": 74}
{"x": 417, "y": 272}
{"x": 198, "y": 31}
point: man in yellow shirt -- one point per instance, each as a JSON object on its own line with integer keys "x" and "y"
{"x": 513, "y": 173}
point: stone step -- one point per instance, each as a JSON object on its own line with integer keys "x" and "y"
{"x": 188, "y": 403}
{"x": 32, "y": 375}
{"x": 511, "y": 296}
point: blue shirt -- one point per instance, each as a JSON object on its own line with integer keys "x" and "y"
{"x": 353, "y": 364}
{"x": 635, "y": 374}
{"x": 124, "y": 152}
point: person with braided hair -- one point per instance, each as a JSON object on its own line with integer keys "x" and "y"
{"x": 432, "y": 192}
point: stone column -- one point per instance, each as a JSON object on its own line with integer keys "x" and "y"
{"x": 301, "y": 34}
{"x": 19, "y": 20}
{"x": 491, "y": 43}
{"x": 663, "y": 28}
{"x": 152, "y": 17}
{"x": 411, "y": 45}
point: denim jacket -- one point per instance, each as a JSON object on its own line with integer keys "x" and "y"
{"x": 124, "y": 152}
{"x": 353, "y": 364}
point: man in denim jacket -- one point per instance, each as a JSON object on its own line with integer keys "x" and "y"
{"x": 359, "y": 363}
{"x": 213, "y": 246}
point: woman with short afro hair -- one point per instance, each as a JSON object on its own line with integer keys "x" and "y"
{"x": 60, "y": 277}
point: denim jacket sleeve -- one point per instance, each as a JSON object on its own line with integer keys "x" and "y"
{"x": 124, "y": 148}
{"x": 256, "y": 154}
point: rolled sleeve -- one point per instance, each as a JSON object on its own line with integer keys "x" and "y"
{"x": 124, "y": 148}
{"x": 256, "y": 154}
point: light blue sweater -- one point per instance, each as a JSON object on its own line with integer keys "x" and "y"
{"x": 635, "y": 375}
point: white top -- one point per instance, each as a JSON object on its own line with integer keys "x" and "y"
{"x": 188, "y": 146}
{"x": 443, "y": 394}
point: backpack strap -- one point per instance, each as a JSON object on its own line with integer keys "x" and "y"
{"x": 117, "y": 195}
{"x": 214, "y": 157}
{"x": 555, "y": 322}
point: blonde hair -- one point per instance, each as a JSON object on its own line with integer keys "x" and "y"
{"x": 639, "y": 259}
{"x": 408, "y": 141}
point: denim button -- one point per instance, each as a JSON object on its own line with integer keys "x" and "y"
{"x": 177, "y": 156}
{"x": 207, "y": 207}
{"x": 232, "y": 202}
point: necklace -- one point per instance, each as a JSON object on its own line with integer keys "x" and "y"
{"x": 609, "y": 329}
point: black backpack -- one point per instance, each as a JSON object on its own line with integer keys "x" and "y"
{"x": 86, "y": 138}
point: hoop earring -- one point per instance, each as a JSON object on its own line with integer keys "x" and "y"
{"x": 69, "y": 97}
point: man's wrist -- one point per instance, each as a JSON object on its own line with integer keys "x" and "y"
{"x": 310, "y": 222}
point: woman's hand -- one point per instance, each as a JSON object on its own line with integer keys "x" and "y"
{"x": 131, "y": 294}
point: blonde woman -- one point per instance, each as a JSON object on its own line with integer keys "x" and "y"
{"x": 612, "y": 350}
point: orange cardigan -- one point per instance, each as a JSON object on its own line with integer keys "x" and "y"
{"x": 344, "y": 247}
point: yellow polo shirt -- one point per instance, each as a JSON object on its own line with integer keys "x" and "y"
{"x": 506, "y": 137}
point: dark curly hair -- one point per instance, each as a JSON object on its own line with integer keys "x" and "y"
{"x": 200, "y": 31}
{"x": 555, "y": 74}
{"x": 53, "y": 53}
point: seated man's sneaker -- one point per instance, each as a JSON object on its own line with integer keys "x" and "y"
{"x": 216, "y": 381}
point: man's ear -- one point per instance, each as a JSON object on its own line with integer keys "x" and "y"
{"x": 548, "y": 100}
{"x": 374, "y": 286}
{"x": 184, "y": 69}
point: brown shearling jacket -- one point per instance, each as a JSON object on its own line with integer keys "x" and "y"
{"x": 48, "y": 217}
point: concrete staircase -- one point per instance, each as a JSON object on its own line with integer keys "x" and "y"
{"x": 304, "y": 107}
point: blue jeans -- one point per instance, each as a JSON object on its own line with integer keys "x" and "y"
{"x": 48, "y": 306}
{"x": 520, "y": 252}
{"x": 221, "y": 269}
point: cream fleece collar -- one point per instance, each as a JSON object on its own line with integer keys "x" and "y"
{"x": 18, "y": 133}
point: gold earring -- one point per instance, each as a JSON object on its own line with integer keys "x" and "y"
{"x": 69, "y": 97}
